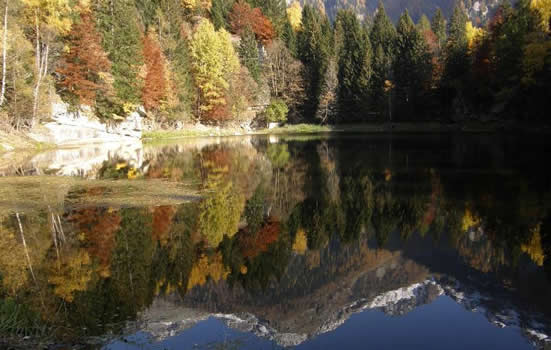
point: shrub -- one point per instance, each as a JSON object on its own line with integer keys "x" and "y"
{"x": 276, "y": 112}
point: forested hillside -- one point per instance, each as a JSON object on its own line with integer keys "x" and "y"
{"x": 215, "y": 61}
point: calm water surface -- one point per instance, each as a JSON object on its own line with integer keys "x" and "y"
{"x": 333, "y": 242}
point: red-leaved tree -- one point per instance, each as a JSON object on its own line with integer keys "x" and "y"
{"x": 85, "y": 66}
{"x": 155, "y": 87}
{"x": 243, "y": 16}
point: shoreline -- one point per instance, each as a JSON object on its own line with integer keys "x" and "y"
{"x": 20, "y": 142}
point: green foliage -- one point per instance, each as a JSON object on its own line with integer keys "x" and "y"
{"x": 383, "y": 32}
{"x": 412, "y": 66}
{"x": 278, "y": 155}
{"x": 314, "y": 49}
{"x": 248, "y": 53}
{"x": 219, "y": 13}
{"x": 354, "y": 66}
{"x": 117, "y": 23}
{"x": 276, "y": 112}
{"x": 438, "y": 26}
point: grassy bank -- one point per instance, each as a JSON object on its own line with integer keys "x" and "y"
{"x": 400, "y": 127}
{"x": 290, "y": 129}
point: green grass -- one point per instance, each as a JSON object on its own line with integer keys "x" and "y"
{"x": 174, "y": 134}
{"x": 297, "y": 129}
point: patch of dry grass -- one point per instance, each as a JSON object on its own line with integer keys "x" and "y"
{"x": 32, "y": 193}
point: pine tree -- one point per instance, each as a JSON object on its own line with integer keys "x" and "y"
{"x": 354, "y": 66}
{"x": 314, "y": 40}
{"x": 219, "y": 13}
{"x": 121, "y": 39}
{"x": 289, "y": 37}
{"x": 423, "y": 24}
{"x": 438, "y": 26}
{"x": 412, "y": 66}
{"x": 248, "y": 53}
{"x": 85, "y": 65}
{"x": 383, "y": 40}
{"x": 383, "y": 32}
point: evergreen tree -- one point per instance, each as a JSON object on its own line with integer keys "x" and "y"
{"x": 289, "y": 37}
{"x": 248, "y": 53}
{"x": 423, "y": 24}
{"x": 457, "y": 64}
{"x": 412, "y": 66}
{"x": 383, "y": 32}
{"x": 121, "y": 39}
{"x": 383, "y": 40}
{"x": 354, "y": 66}
{"x": 438, "y": 26}
{"x": 314, "y": 41}
{"x": 219, "y": 13}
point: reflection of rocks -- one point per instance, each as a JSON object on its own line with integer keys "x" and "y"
{"x": 499, "y": 310}
{"x": 86, "y": 161}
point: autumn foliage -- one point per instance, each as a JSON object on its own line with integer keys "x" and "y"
{"x": 85, "y": 65}
{"x": 254, "y": 244}
{"x": 99, "y": 227}
{"x": 243, "y": 16}
{"x": 155, "y": 86}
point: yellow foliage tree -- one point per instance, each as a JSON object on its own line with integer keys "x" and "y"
{"x": 474, "y": 35}
{"x": 294, "y": 13}
{"x": 221, "y": 210}
{"x": 533, "y": 247}
{"x": 72, "y": 276}
{"x": 544, "y": 8}
{"x": 205, "y": 267}
{"x": 214, "y": 61}
{"x": 469, "y": 220}
{"x": 301, "y": 242}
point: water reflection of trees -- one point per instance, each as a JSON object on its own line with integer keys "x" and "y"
{"x": 261, "y": 207}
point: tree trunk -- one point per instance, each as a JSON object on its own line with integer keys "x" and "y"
{"x": 4, "y": 53}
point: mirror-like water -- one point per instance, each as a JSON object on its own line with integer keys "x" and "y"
{"x": 368, "y": 241}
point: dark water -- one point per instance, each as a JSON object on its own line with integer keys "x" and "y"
{"x": 348, "y": 242}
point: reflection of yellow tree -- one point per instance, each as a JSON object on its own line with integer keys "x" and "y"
{"x": 12, "y": 262}
{"x": 470, "y": 220}
{"x": 301, "y": 242}
{"x": 221, "y": 210}
{"x": 533, "y": 247}
{"x": 72, "y": 276}
{"x": 206, "y": 267}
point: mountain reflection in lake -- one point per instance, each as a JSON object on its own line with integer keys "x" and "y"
{"x": 374, "y": 241}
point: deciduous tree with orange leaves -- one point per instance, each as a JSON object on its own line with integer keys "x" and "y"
{"x": 243, "y": 16}
{"x": 85, "y": 68}
{"x": 156, "y": 86}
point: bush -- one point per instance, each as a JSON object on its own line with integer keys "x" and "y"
{"x": 276, "y": 112}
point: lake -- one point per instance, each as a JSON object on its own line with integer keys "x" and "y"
{"x": 381, "y": 241}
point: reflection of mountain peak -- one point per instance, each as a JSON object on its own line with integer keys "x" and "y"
{"x": 166, "y": 318}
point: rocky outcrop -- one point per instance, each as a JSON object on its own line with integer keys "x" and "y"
{"x": 68, "y": 128}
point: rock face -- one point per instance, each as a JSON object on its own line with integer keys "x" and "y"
{"x": 69, "y": 128}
